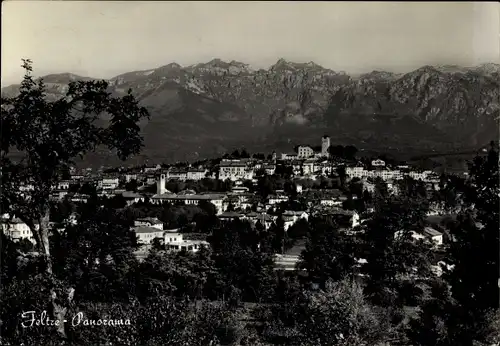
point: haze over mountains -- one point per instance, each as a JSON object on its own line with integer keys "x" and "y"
{"x": 205, "y": 109}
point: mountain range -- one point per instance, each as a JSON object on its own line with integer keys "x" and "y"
{"x": 209, "y": 108}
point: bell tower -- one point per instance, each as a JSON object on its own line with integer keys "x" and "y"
{"x": 160, "y": 185}
{"x": 325, "y": 144}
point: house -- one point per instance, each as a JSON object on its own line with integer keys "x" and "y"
{"x": 16, "y": 229}
{"x": 234, "y": 170}
{"x": 63, "y": 185}
{"x": 196, "y": 174}
{"x": 77, "y": 176}
{"x": 265, "y": 219}
{"x": 345, "y": 218}
{"x": 187, "y": 245}
{"x": 56, "y": 195}
{"x": 435, "y": 236}
{"x": 132, "y": 197}
{"x": 308, "y": 167}
{"x": 428, "y": 233}
{"x": 378, "y": 163}
{"x": 330, "y": 201}
{"x": 146, "y": 234}
{"x": 188, "y": 197}
{"x": 151, "y": 169}
{"x": 276, "y": 199}
{"x": 230, "y": 215}
{"x": 78, "y": 197}
{"x": 305, "y": 152}
{"x": 172, "y": 236}
{"x": 108, "y": 183}
{"x": 289, "y": 156}
{"x": 175, "y": 242}
{"x": 240, "y": 189}
{"x": 151, "y": 222}
{"x": 269, "y": 169}
{"x": 130, "y": 176}
{"x": 177, "y": 174}
{"x": 295, "y": 215}
{"x": 355, "y": 172}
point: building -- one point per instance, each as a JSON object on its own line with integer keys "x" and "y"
{"x": 190, "y": 198}
{"x": 429, "y": 233}
{"x": 145, "y": 234}
{"x": 16, "y": 229}
{"x": 151, "y": 222}
{"x": 435, "y": 236}
{"x": 175, "y": 242}
{"x": 305, "y": 152}
{"x": 132, "y": 197}
{"x": 289, "y": 156}
{"x": 355, "y": 172}
{"x": 196, "y": 174}
{"x": 378, "y": 163}
{"x": 109, "y": 183}
{"x": 234, "y": 170}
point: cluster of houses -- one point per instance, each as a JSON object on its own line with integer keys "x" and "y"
{"x": 238, "y": 203}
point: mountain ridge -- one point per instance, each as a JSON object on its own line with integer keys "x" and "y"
{"x": 206, "y": 108}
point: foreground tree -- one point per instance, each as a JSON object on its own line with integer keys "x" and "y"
{"x": 339, "y": 314}
{"x": 393, "y": 258}
{"x": 329, "y": 253}
{"x": 475, "y": 245}
{"x": 47, "y": 136}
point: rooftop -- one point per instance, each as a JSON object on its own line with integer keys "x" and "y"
{"x": 146, "y": 229}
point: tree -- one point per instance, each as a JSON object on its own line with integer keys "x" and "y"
{"x": 476, "y": 232}
{"x": 350, "y": 152}
{"x": 131, "y": 185}
{"x": 393, "y": 256}
{"x": 95, "y": 255}
{"x": 236, "y": 154}
{"x": 328, "y": 253}
{"x": 244, "y": 154}
{"x": 341, "y": 171}
{"x": 299, "y": 230}
{"x": 243, "y": 271}
{"x": 336, "y": 151}
{"x": 337, "y": 315}
{"x": 49, "y": 135}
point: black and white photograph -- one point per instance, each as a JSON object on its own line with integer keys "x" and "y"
{"x": 250, "y": 173}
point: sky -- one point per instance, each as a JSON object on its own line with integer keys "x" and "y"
{"x": 102, "y": 39}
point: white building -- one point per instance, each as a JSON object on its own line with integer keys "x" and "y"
{"x": 234, "y": 171}
{"x": 276, "y": 199}
{"x": 355, "y": 172}
{"x": 145, "y": 234}
{"x": 308, "y": 167}
{"x": 151, "y": 222}
{"x": 175, "y": 242}
{"x": 16, "y": 230}
{"x": 108, "y": 183}
{"x": 378, "y": 163}
{"x": 305, "y": 152}
{"x": 190, "y": 198}
{"x": 196, "y": 174}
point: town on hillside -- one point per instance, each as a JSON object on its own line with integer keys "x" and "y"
{"x": 322, "y": 180}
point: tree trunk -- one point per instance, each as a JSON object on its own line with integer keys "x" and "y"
{"x": 58, "y": 308}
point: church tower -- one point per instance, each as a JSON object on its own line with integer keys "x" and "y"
{"x": 325, "y": 145}
{"x": 160, "y": 185}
